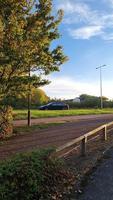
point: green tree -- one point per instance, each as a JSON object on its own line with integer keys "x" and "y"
{"x": 38, "y": 97}
{"x": 27, "y": 29}
{"x": 91, "y": 101}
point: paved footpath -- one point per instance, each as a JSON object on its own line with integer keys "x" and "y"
{"x": 100, "y": 184}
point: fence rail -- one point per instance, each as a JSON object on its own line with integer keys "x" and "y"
{"x": 82, "y": 140}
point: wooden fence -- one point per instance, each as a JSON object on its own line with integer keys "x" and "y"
{"x": 83, "y": 140}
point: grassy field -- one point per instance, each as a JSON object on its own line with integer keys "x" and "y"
{"x": 22, "y": 114}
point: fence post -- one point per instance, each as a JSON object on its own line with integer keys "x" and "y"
{"x": 83, "y": 146}
{"x": 105, "y": 133}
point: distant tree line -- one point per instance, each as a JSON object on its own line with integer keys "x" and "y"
{"x": 20, "y": 101}
{"x": 88, "y": 101}
{"x": 39, "y": 97}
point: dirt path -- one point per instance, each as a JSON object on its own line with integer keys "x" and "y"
{"x": 100, "y": 184}
{"x": 52, "y": 136}
{"x": 62, "y": 119}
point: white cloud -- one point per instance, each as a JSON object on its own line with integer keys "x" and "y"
{"x": 70, "y": 8}
{"x": 86, "y": 32}
{"x": 67, "y": 88}
{"x": 108, "y": 37}
{"x": 88, "y": 21}
{"x": 80, "y": 10}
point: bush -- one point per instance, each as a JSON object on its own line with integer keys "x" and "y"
{"x": 34, "y": 176}
{"x": 6, "y": 125}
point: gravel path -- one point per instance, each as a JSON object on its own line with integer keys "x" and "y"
{"x": 100, "y": 184}
{"x": 63, "y": 119}
{"x": 52, "y": 136}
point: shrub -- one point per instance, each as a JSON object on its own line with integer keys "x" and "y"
{"x": 34, "y": 176}
{"x": 6, "y": 126}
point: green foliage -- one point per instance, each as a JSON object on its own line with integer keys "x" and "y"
{"x": 27, "y": 29}
{"x": 89, "y": 101}
{"x": 34, "y": 176}
{"x": 38, "y": 97}
{"x": 93, "y": 101}
{"x": 6, "y": 126}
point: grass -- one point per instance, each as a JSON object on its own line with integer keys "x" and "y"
{"x": 22, "y": 114}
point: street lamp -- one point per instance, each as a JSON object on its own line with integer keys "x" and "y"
{"x": 100, "y": 67}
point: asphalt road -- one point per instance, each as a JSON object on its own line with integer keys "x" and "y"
{"x": 100, "y": 184}
{"x": 52, "y": 136}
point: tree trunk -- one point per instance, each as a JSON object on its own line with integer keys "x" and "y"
{"x": 6, "y": 122}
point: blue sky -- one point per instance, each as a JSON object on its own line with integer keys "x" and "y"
{"x": 87, "y": 38}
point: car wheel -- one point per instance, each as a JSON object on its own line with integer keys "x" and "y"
{"x": 66, "y": 108}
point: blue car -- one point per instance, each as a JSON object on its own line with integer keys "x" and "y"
{"x": 55, "y": 106}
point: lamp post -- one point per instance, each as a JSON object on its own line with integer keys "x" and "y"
{"x": 100, "y": 67}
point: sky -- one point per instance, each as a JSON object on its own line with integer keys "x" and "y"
{"x": 87, "y": 39}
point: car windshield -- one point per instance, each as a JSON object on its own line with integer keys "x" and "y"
{"x": 55, "y": 103}
{"x": 49, "y": 104}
